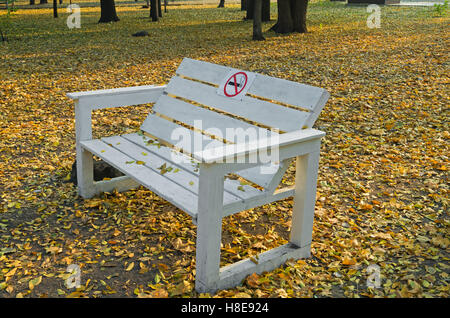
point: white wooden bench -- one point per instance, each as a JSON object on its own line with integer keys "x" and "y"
{"x": 193, "y": 179}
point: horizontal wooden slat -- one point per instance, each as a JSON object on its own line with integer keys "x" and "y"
{"x": 204, "y": 71}
{"x": 265, "y": 113}
{"x": 178, "y": 160}
{"x": 213, "y": 123}
{"x": 157, "y": 183}
{"x": 285, "y": 91}
{"x": 234, "y": 274}
{"x": 177, "y": 135}
{"x": 264, "y": 198}
{"x": 117, "y": 97}
{"x": 251, "y": 150}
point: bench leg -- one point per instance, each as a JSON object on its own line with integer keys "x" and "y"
{"x": 85, "y": 174}
{"x": 85, "y": 162}
{"x": 209, "y": 229}
{"x": 307, "y": 167}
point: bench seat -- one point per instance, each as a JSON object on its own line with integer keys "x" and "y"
{"x": 143, "y": 161}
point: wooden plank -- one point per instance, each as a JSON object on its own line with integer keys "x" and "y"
{"x": 218, "y": 125}
{"x": 177, "y": 135}
{"x": 284, "y": 91}
{"x": 265, "y": 113}
{"x": 316, "y": 111}
{"x": 162, "y": 186}
{"x": 204, "y": 71}
{"x": 85, "y": 163}
{"x": 256, "y": 176}
{"x": 278, "y": 176}
{"x": 231, "y": 153}
{"x": 122, "y": 183}
{"x": 234, "y": 274}
{"x": 307, "y": 167}
{"x": 209, "y": 228}
{"x": 117, "y": 97}
{"x": 178, "y": 160}
{"x": 256, "y": 201}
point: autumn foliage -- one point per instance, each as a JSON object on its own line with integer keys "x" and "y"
{"x": 383, "y": 180}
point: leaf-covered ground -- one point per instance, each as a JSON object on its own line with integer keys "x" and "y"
{"x": 383, "y": 179}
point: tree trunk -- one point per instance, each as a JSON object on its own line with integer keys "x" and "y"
{"x": 108, "y": 11}
{"x": 43, "y": 2}
{"x": 298, "y": 10}
{"x": 257, "y": 28}
{"x": 265, "y": 11}
{"x": 55, "y": 8}
{"x": 250, "y": 9}
{"x": 32, "y": 2}
{"x": 154, "y": 10}
{"x": 159, "y": 9}
{"x": 165, "y": 6}
{"x": 221, "y": 4}
{"x": 243, "y": 5}
{"x": 291, "y": 16}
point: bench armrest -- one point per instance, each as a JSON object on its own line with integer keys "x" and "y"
{"x": 239, "y": 153}
{"x": 118, "y": 97}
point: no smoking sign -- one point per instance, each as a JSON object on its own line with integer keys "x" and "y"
{"x": 236, "y": 84}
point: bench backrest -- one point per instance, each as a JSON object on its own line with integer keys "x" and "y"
{"x": 223, "y": 98}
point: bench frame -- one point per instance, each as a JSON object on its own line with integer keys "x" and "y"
{"x": 303, "y": 145}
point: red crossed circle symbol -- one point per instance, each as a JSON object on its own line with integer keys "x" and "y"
{"x": 235, "y": 84}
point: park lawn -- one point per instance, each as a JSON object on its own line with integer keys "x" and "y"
{"x": 383, "y": 181}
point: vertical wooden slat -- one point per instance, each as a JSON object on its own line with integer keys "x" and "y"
{"x": 85, "y": 163}
{"x": 209, "y": 230}
{"x": 304, "y": 199}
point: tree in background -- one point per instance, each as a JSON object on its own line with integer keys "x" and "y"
{"x": 154, "y": 14}
{"x": 291, "y": 16}
{"x": 221, "y": 4}
{"x": 257, "y": 28}
{"x": 265, "y": 9}
{"x": 55, "y": 8}
{"x": 108, "y": 11}
{"x": 5, "y": 20}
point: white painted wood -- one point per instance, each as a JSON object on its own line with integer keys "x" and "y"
{"x": 198, "y": 187}
{"x": 173, "y": 134}
{"x": 154, "y": 162}
{"x": 117, "y": 97}
{"x": 215, "y": 124}
{"x": 262, "y": 112}
{"x": 204, "y": 71}
{"x": 296, "y": 94}
{"x": 285, "y": 91}
{"x": 157, "y": 183}
{"x": 233, "y": 153}
{"x": 256, "y": 201}
{"x": 317, "y": 109}
{"x": 307, "y": 167}
{"x": 256, "y": 176}
{"x": 234, "y": 274}
{"x": 209, "y": 228}
{"x": 278, "y": 176}
{"x": 181, "y": 161}
{"x": 85, "y": 163}
{"x": 119, "y": 184}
